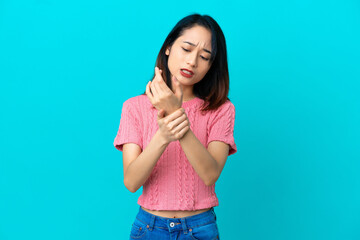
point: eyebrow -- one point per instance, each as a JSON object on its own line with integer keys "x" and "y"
{"x": 192, "y": 44}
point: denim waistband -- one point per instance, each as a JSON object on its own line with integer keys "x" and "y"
{"x": 176, "y": 224}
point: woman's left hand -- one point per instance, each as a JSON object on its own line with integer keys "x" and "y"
{"x": 161, "y": 96}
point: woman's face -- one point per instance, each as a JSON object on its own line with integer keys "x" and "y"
{"x": 189, "y": 56}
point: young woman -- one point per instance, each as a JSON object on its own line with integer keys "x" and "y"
{"x": 176, "y": 137}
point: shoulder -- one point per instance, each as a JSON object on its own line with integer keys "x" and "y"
{"x": 225, "y": 107}
{"x": 139, "y": 102}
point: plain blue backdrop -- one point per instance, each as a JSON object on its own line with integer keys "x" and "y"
{"x": 66, "y": 67}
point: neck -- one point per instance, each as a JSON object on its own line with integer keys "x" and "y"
{"x": 187, "y": 93}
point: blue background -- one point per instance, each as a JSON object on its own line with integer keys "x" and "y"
{"x": 66, "y": 67}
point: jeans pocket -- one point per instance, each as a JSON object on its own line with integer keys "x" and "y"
{"x": 205, "y": 232}
{"x": 138, "y": 230}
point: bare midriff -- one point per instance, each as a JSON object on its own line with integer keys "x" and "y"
{"x": 174, "y": 214}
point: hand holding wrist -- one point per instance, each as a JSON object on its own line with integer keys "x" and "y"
{"x": 174, "y": 126}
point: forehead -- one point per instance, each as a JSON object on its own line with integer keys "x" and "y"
{"x": 197, "y": 35}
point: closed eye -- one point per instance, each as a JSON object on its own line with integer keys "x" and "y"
{"x": 206, "y": 59}
{"x": 186, "y": 50}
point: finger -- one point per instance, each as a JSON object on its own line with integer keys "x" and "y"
{"x": 175, "y": 115}
{"x": 174, "y": 123}
{"x": 163, "y": 84}
{"x": 154, "y": 89}
{"x": 164, "y": 88}
{"x": 177, "y": 87}
{"x": 148, "y": 92}
{"x": 157, "y": 88}
{"x": 179, "y": 127}
{"x": 182, "y": 132}
{"x": 158, "y": 74}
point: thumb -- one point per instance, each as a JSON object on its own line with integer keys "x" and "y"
{"x": 177, "y": 87}
{"x": 160, "y": 113}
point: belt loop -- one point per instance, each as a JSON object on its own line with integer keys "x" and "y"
{"x": 184, "y": 227}
{"x": 213, "y": 212}
{"x": 152, "y": 222}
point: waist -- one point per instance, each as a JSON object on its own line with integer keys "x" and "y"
{"x": 174, "y": 214}
{"x": 176, "y": 223}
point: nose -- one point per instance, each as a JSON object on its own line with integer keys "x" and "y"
{"x": 192, "y": 59}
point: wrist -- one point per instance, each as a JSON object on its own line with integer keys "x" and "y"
{"x": 172, "y": 111}
{"x": 160, "y": 139}
{"x": 186, "y": 134}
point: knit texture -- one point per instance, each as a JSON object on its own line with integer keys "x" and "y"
{"x": 173, "y": 183}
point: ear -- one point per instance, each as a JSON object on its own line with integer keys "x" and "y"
{"x": 167, "y": 52}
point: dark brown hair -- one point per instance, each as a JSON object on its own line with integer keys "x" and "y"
{"x": 214, "y": 87}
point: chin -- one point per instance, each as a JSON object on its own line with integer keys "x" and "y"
{"x": 186, "y": 82}
{"x": 184, "y": 79}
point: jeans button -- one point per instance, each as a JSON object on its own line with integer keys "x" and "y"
{"x": 172, "y": 224}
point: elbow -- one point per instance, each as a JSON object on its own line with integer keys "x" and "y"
{"x": 209, "y": 184}
{"x": 210, "y": 181}
{"x": 211, "y": 178}
{"x": 130, "y": 187}
{"x": 133, "y": 190}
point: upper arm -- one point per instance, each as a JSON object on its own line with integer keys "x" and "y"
{"x": 219, "y": 151}
{"x": 221, "y": 126}
{"x": 130, "y": 128}
{"x": 130, "y": 152}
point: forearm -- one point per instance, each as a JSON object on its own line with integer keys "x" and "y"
{"x": 140, "y": 169}
{"x": 200, "y": 158}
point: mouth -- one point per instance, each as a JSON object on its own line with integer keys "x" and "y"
{"x": 186, "y": 73}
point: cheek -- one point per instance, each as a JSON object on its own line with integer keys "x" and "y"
{"x": 176, "y": 56}
{"x": 174, "y": 59}
{"x": 205, "y": 69}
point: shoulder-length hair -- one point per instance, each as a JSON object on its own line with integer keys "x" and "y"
{"x": 214, "y": 87}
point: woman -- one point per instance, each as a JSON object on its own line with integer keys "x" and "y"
{"x": 176, "y": 137}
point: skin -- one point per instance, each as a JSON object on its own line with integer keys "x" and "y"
{"x": 173, "y": 122}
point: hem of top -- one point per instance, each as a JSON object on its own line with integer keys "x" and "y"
{"x": 163, "y": 208}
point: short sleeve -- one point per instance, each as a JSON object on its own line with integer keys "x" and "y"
{"x": 129, "y": 129}
{"x": 222, "y": 126}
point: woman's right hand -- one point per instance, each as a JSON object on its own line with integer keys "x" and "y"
{"x": 161, "y": 96}
{"x": 174, "y": 126}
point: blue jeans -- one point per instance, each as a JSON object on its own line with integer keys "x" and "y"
{"x": 201, "y": 226}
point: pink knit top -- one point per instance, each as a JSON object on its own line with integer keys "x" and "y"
{"x": 173, "y": 183}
